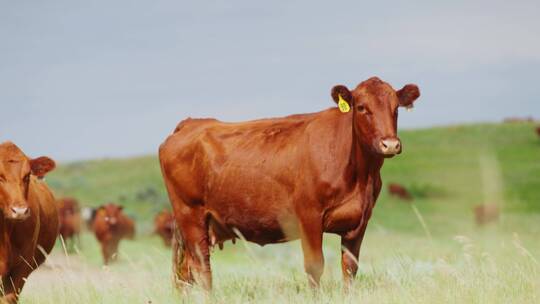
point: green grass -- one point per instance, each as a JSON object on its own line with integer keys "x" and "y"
{"x": 434, "y": 255}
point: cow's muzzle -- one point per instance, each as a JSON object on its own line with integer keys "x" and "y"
{"x": 390, "y": 146}
{"x": 18, "y": 213}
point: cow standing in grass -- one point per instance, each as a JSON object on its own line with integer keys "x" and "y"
{"x": 276, "y": 180}
{"x": 111, "y": 225}
{"x": 28, "y": 218}
{"x": 164, "y": 226}
{"x": 70, "y": 220}
{"x": 399, "y": 191}
{"x": 486, "y": 213}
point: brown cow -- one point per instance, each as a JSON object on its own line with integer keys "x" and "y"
{"x": 518, "y": 119}
{"x": 399, "y": 191}
{"x": 28, "y": 218}
{"x": 486, "y": 213}
{"x": 538, "y": 131}
{"x": 276, "y": 180}
{"x": 111, "y": 225}
{"x": 164, "y": 226}
{"x": 70, "y": 220}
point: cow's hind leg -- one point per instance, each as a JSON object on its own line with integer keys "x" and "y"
{"x": 194, "y": 236}
{"x": 180, "y": 260}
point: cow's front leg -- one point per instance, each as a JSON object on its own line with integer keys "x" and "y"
{"x": 350, "y": 251}
{"x": 14, "y": 283}
{"x": 311, "y": 236}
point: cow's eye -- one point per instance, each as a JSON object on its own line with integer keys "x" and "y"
{"x": 361, "y": 109}
{"x": 26, "y": 178}
{"x": 2, "y": 178}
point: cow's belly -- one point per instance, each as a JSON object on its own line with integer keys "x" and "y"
{"x": 256, "y": 223}
{"x": 261, "y": 215}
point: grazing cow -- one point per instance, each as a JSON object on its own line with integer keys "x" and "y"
{"x": 28, "y": 218}
{"x": 111, "y": 225}
{"x": 518, "y": 119}
{"x": 70, "y": 220}
{"x": 486, "y": 213}
{"x": 399, "y": 191}
{"x": 164, "y": 226}
{"x": 276, "y": 180}
{"x": 538, "y": 131}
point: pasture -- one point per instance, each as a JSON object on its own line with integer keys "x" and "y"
{"x": 427, "y": 251}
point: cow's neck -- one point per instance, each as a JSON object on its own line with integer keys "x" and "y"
{"x": 363, "y": 164}
{"x": 4, "y": 246}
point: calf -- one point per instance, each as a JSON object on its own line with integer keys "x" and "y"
{"x": 28, "y": 218}
{"x": 110, "y": 225}
{"x": 164, "y": 226}
{"x": 70, "y": 220}
{"x": 276, "y": 180}
{"x": 486, "y": 213}
{"x": 399, "y": 191}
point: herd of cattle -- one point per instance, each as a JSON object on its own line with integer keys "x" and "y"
{"x": 266, "y": 181}
{"x": 31, "y": 220}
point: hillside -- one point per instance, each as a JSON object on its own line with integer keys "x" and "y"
{"x": 448, "y": 170}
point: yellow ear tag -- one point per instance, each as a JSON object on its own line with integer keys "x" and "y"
{"x": 343, "y": 105}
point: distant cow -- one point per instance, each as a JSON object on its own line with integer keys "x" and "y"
{"x": 486, "y": 213}
{"x": 518, "y": 119}
{"x": 110, "y": 225}
{"x": 399, "y": 191}
{"x": 164, "y": 226}
{"x": 28, "y": 218}
{"x": 276, "y": 180}
{"x": 538, "y": 131}
{"x": 70, "y": 220}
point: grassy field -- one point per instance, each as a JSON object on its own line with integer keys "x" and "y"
{"x": 429, "y": 251}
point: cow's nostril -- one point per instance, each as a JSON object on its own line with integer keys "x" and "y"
{"x": 19, "y": 211}
{"x": 384, "y": 145}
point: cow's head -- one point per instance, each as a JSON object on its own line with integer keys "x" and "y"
{"x": 374, "y": 105}
{"x": 16, "y": 171}
{"x": 110, "y": 213}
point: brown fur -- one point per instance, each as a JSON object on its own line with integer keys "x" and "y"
{"x": 486, "y": 213}
{"x": 70, "y": 219}
{"x": 110, "y": 226}
{"x": 22, "y": 234}
{"x": 280, "y": 179}
{"x": 399, "y": 191}
{"x": 538, "y": 131}
{"x": 164, "y": 226}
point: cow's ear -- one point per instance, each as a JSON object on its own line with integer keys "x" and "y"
{"x": 407, "y": 95}
{"x": 41, "y": 166}
{"x": 341, "y": 90}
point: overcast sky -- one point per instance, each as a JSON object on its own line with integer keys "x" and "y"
{"x": 112, "y": 78}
